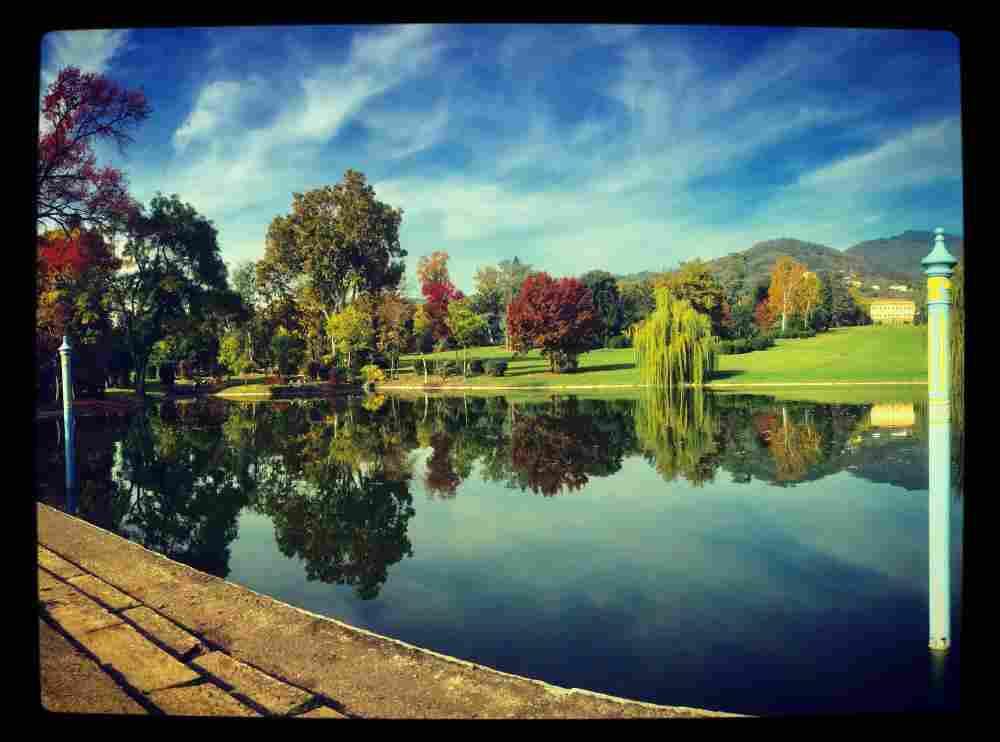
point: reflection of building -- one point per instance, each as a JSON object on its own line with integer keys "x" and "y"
{"x": 895, "y": 415}
{"x": 892, "y": 311}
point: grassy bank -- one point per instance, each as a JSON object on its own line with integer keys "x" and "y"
{"x": 845, "y": 355}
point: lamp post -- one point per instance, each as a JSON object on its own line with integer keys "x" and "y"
{"x": 939, "y": 266}
{"x": 66, "y": 357}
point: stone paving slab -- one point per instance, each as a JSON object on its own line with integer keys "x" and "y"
{"x": 102, "y": 591}
{"x": 199, "y": 700}
{"x": 322, "y": 712}
{"x": 73, "y": 683}
{"x": 163, "y": 630}
{"x": 76, "y": 613}
{"x": 368, "y": 675}
{"x": 57, "y": 565}
{"x": 143, "y": 665}
{"x": 272, "y": 694}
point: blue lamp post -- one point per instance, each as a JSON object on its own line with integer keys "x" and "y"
{"x": 66, "y": 356}
{"x": 939, "y": 266}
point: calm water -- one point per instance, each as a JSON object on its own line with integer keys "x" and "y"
{"x": 728, "y": 552}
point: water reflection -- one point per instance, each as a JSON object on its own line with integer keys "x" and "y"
{"x": 335, "y": 478}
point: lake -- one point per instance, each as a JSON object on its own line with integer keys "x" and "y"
{"x": 731, "y": 552}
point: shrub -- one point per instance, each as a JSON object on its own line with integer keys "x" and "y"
{"x": 372, "y": 373}
{"x": 496, "y": 368}
{"x": 620, "y": 341}
{"x": 475, "y": 366}
{"x": 337, "y": 375}
{"x": 167, "y": 374}
{"x": 448, "y": 368}
{"x": 567, "y": 364}
{"x": 312, "y": 369}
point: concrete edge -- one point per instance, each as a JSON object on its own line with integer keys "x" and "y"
{"x": 548, "y": 687}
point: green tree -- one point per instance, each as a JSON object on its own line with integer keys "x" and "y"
{"x": 395, "y": 327}
{"x": 340, "y": 240}
{"x": 351, "y": 330}
{"x": 638, "y": 302}
{"x": 694, "y": 283}
{"x": 287, "y": 350}
{"x": 466, "y": 327}
{"x": 675, "y": 344}
{"x": 607, "y": 301}
{"x": 171, "y": 263}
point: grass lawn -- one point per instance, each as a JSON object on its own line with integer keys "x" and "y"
{"x": 851, "y": 354}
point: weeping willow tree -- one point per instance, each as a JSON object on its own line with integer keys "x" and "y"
{"x": 676, "y": 429}
{"x": 674, "y": 345}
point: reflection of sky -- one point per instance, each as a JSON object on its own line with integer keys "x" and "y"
{"x": 745, "y": 597}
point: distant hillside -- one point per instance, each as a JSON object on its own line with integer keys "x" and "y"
{"x": 902, "y": 254}
{"x": 894, "y": 260}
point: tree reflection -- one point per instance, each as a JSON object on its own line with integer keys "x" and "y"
{"x": 678, "y": 433}
{"x": 557, "y": 450}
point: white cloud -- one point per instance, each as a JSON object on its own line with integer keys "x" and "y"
{"x": 925, "y": 154}
{"x": 91, "y": 51}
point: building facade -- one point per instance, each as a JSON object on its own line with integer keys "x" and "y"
{"x": 892, "y": 311}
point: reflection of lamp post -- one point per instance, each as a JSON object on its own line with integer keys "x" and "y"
{"x": 939, "y": 267}
{"x": 66, "y": 355}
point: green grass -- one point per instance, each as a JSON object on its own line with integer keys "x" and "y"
{"x": 845, "y": 355}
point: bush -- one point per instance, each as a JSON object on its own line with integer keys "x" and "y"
{"x": 496, "y": 368}
{"x": 167, "y": 374}
{"x": 567, "y": 364}
{"x": 313, "y": 370}
{"x": 475, "y": 366}
{"x": 620, "y": 341}
{"x": 761, "y": 342}
{"x": 448, "y": 368}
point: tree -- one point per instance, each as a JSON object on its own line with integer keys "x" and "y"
{"x": 558, "y": 317}
{"x": 490, "y": 301}
{"x": 439, "y": 291}
{"x": 245, "y": 284}
{"x": 512, "y": 274}
{"x": 78, "y": 110}
{"x": 694, "y": 283}
{"x": 466, "y": 327}
{"x": 351, "y": 330}
{"x": 433, "y": 268}
{"x": 786, "y": 279}
{"x": 395, "y": 327}
{"x": 72, "y": 279}
{"x": 675, "y": 344}
{"x": 340, "y": 240}
{"x": 287, "y": 350}
{"x": 171, "y": 262}
{"x": 638, "y": 302}
{"x": 809, "y": 296}
{"x": 740, "y": 323}
{"x": 607, "y": 301}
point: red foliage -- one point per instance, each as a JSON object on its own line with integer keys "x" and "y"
{"x": 438, "y": 296}
{"x": 557, "y": 316}
{"x": 763, "y": 315}
{"x": 74, "y": 254}
{"x": 78, "y": 109}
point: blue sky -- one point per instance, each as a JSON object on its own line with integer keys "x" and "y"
{"x": 572, "y": 147}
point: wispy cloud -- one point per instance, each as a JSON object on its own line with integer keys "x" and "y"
{"x": 925, "y": 154}
{"x": 91, "y": 51}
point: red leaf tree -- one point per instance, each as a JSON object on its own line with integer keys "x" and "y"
{"x": 439, "y": 294}
{"x": 558, "y": 317}
{"x": 77, "y": 110}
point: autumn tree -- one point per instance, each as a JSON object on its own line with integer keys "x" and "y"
{"x": 77, "y": 111}
{"x": 809, "y": 296}
{"x": 395, "y": 327}
{"x": 340, "y": 240}
{"x": 438, "y": 290}
{"x": 557, "y": 317}
{"x": 490, "y": 301}
{"x": 72, "y": 280}
{"x": 171, "y": 263}
{"x": 785, "y": 288}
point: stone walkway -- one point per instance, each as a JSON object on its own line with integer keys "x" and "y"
{"x": 102, "y": 651}
{"x": 174, "y": 640}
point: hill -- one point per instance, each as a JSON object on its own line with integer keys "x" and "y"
{"x": 902, "y": 254}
